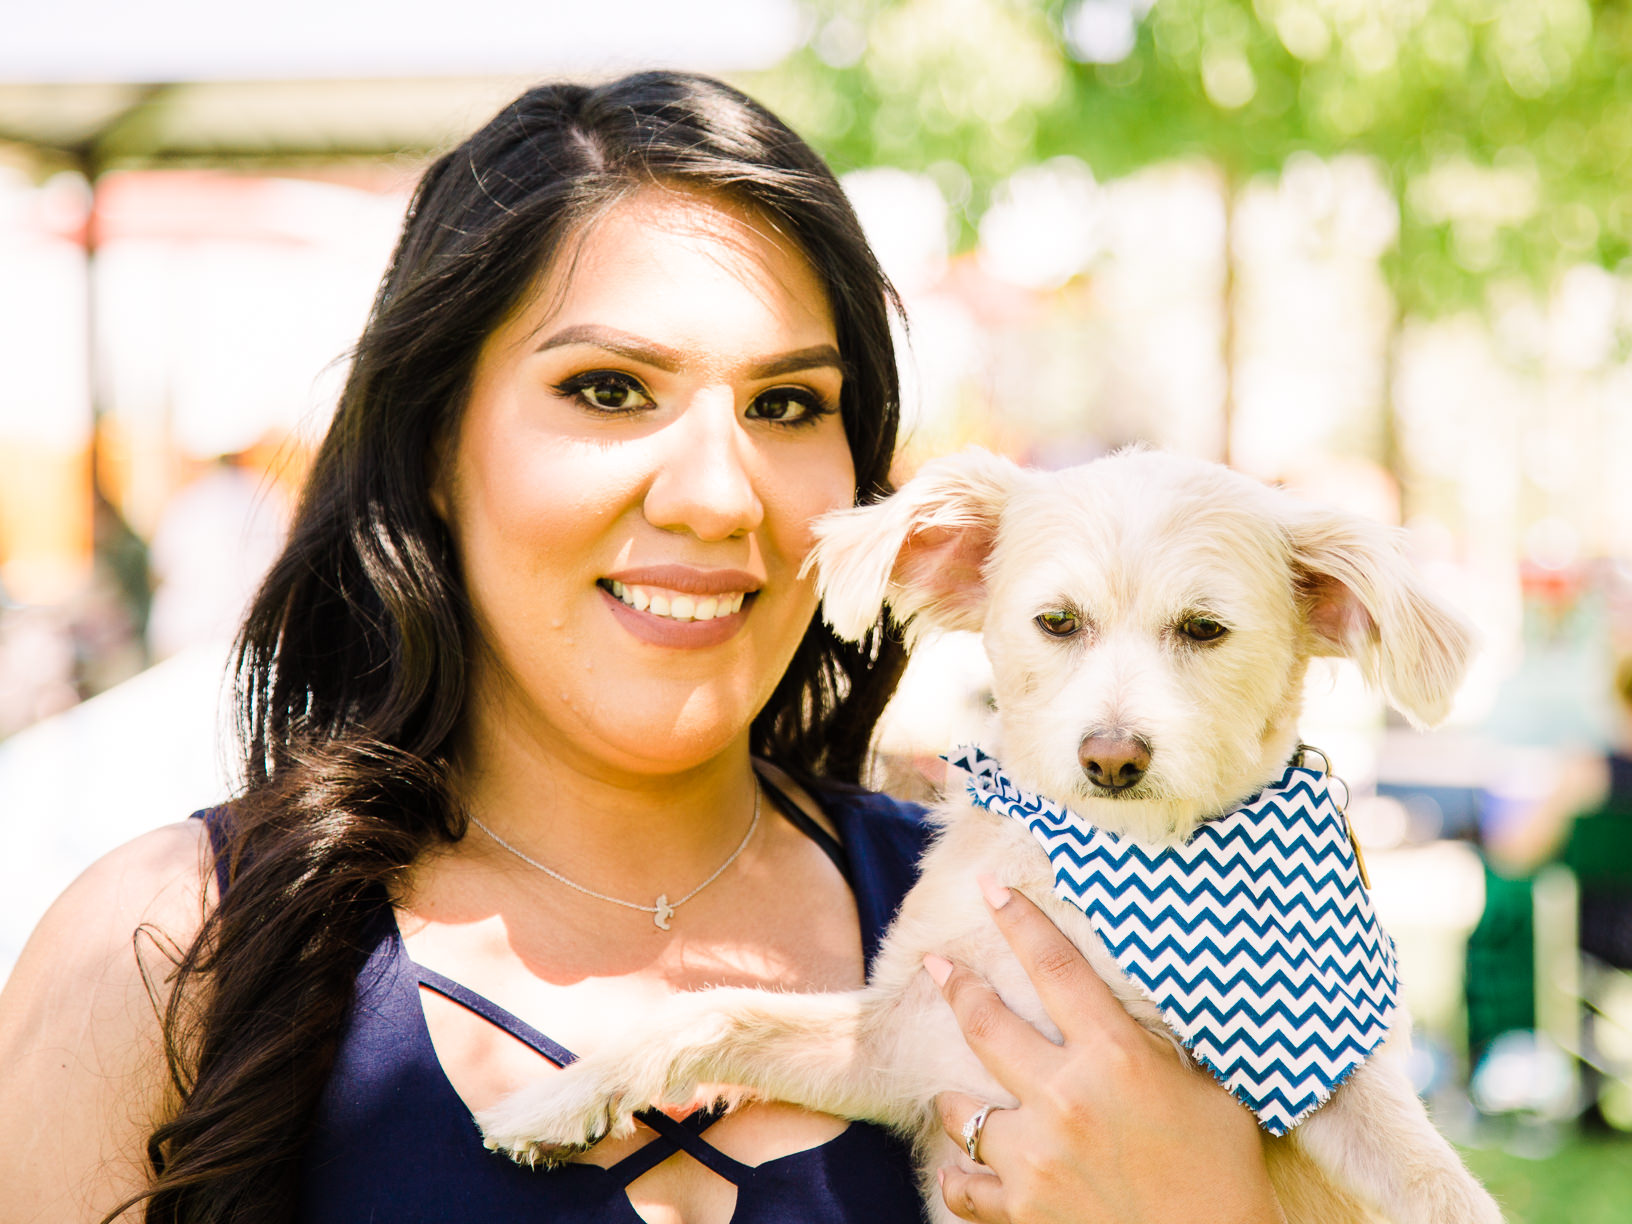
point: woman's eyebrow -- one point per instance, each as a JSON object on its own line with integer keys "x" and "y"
{"x": 670, "y": 360}
{"x": 613, "y": 341}
{"x": 814, "y": 357}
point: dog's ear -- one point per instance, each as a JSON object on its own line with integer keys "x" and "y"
{"x": 920, "y": 551}
{"x": 1363, "y": 600}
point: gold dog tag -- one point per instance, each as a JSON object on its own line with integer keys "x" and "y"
{"x": 1359, "y": 858}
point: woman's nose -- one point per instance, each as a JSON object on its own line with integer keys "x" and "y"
{"x": 704, "y": 483}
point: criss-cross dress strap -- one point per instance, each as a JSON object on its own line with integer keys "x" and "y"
{"x": 671, "y": 1136}
{"x": 495, "y": 1015}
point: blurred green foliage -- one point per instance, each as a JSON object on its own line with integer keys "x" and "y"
{"x": 1505, "y": 126}
{"x": 1586, "y": 1181}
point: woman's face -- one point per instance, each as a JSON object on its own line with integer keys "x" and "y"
{"x": 632, "y": 483}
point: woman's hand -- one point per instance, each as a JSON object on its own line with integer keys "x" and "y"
{"x": 1113, "y": 1125}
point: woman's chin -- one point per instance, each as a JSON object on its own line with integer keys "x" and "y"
{"x": 654, "y": 734}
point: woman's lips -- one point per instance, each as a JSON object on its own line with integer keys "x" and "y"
{"x": 670, "y": 630}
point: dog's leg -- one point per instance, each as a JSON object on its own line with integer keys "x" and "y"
{"x": 1374, "y": 1139}
{"x": 836, "y": 1053}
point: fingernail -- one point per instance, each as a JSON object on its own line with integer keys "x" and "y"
{"x": 996, "y": 895}
{"x": 940, "y": 1178}
{"x": 938, "y": 967}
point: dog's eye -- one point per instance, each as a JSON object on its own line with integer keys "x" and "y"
{"x": 1057, "y": 624}
{"x": 1202, "y": 629}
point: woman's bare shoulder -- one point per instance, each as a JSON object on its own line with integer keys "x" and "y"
{"x": 83, "y": 1078}
{"x": 160, "y": 880}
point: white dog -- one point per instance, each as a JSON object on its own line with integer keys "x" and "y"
{"x": 1149, "y": 621}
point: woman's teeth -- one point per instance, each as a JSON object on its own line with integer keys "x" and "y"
{"x": 676, "y": 606}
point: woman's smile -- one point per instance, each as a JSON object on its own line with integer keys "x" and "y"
{"x": 676, "y": 605}
{"x": 673, "y": 605}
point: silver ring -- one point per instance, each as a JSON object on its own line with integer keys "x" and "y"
{"x": 972, "y": 1130}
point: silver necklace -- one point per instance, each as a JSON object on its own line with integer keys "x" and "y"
{"x": 663, "y": 910}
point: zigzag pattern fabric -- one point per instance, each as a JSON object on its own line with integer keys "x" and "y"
{"x": 1256, "y": 939}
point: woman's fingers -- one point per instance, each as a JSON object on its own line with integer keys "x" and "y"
{"x": 1074, "y": 996}
{"x": 957, "y": 1108}
{"x": 1011, "y": 1049}
{"x": 973, "y": 1196}
{"x": 1090, "y": 1136}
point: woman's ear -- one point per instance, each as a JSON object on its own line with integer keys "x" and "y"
{"x": 920, "y": 551}
{"x": 439, "y": 473}
{"x": 1364, "y": 601}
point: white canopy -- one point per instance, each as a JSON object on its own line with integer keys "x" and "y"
{"x": 103, "y": 80}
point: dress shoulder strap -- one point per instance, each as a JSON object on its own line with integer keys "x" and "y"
{"x": 216, "y": 825}
{"x": 800, "y": 819}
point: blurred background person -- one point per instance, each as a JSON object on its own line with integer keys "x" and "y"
{"x": 215, "y": 540}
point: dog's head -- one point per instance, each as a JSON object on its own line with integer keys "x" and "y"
{"x": 1149, "y": 619}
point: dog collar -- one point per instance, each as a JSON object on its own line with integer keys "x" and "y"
{"x": 1255, "y": 939}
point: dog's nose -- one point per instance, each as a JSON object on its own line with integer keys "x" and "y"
{"x": 1114, "y": 761}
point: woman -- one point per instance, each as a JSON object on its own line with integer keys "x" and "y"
{"x": 540, "y": 722}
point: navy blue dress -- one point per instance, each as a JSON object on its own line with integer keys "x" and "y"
{"x": 394, "y": 1144}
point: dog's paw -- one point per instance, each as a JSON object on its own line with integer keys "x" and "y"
{"x": 548, "y": 1123}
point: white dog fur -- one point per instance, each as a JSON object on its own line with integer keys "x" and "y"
{"x": 1137, "y": 548}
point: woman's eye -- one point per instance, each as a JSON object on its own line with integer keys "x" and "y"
{"x": 606, "y": 391}
{"x": 1057, "y": 624}
{"x": 1202, "y": 629}
{"x": 787, "y": 406}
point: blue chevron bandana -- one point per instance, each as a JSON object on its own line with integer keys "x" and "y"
{"x": 1255, "y": 939}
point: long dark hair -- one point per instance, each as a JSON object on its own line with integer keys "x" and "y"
{"x": 351, "y": 664}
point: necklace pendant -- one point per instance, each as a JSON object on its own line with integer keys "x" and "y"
{"x": 663, "y": 912}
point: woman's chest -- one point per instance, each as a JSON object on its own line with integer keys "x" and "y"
{"x": 482, "y": 1062}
